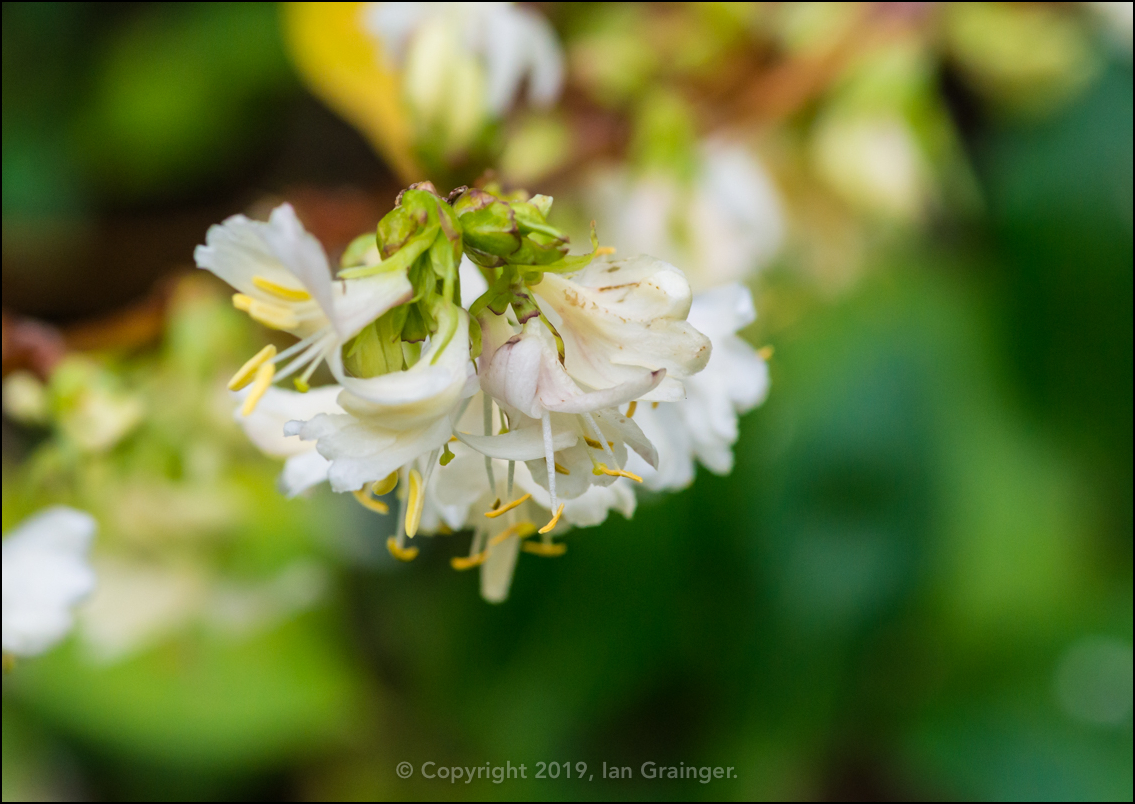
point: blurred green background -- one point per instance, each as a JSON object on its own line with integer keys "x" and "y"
{"x": 916, "y": 583}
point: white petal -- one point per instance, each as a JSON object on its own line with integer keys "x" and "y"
{"x": 523, "y": 444}
{"x": 619, "y": 318}
{"x": 265, "y": 425}
{"x": 303, "y": 471}
{"x": 498, "y": 569}
{"x": 357, "y": 302}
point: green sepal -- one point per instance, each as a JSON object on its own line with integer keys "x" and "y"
{"x": 475, "y": 342}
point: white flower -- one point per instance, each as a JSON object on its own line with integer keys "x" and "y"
{"x": 391, "y": 421}
{"x": 617, "y": 318}
{"x": 45, "y": 574}
{"x": 554, "y": 425}
{"x": 513, "y": 44}
{"x": 285, "y": 283}
{"x": 731, "y": 218}
{"x": 304, "y": 467}
{"x": 704, "y": 425}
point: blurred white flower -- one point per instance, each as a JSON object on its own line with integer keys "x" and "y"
{"x": 463, "y": 63}
{"x": 704, "y": 424}
{"x": 723, "y": 228}
{"x": 46, "y": 572}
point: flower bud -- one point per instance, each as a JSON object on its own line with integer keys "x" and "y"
{"x": 499, "y": 231}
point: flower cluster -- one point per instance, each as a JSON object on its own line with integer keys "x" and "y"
{"x": 483, "y": 374}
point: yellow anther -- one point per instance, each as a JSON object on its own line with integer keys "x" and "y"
{"x": 591, "y": 442}
{"x": 399, "y": 552}
{"x": 415, "y": 503}
{"x": 498, "y": 511}
{"x": 454, "y": 438}
{"x": 301, "y": 385}
{"x": 384, "y": 486}
{"x": 631, "y": 409}
{"x": 248, "y": 370}
{"x": 280, "y": 291}
{"x": 521, "y": 530}
{"x": 654, "y": 406}
{"x": 460, "y": 563}
{"x": 260, "y": 386}
{"x": 496, "y": 504}
{"x": 562, "y": 470}
{"x": 602, "y": 469}
{"x": 552, "y": 523}
{"x": 444, "y": 530}
{"x": 366, "y": 501}
{"x": 765, "y": 352}
{"x": 545, "y": 550}
{"x": 603, "y": 251}
{"x": 273, "y": 316}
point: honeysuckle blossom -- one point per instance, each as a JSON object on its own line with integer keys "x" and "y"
{"x": 505, "y": 418}
{"x": 46, "y": 573}
{"x": 304, "y": 467}
{"x": 704, "y": 425}
{"x": 284, "y": 282}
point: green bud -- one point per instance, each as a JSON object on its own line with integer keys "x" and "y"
{"x": 377, "y": 349}
{"x": 490, "y": 229}
{"x": 363, "y": 250}
{"x": 513, "y": 231}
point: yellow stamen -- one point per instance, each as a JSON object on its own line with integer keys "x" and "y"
{"x": 561, "y": 469}
{"x": 415, "y": 504}
{"x": 551, "y": 524}
{"x": 280, "y": 291}
{"x": 273, "y": 316}
{"x": 498, "y": 511}
{"x": 765, "y": 352}
{"x": 603, "y": 251}
{"x": 444, "y": 530}
{"x": 401, "y": 553}
{"x": 454, "y": 438}
{"x": 602, "y": 469}
{"x": 545, "y": 550}
{"x": 384, "y": 486}
{"x": 631, "y": 409}
{"x": 459, "y": 563}
{"x": 366, "y": 501}
{"x": 260, "y": 386}
{"x": 244, "y": 376}
{"x": 521, "y": 530}
{"x": 496, "y": 504}
{"x": 591, "y": 442}
{"x": 301, "y": 385}
{"x": 654, "y": 406}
